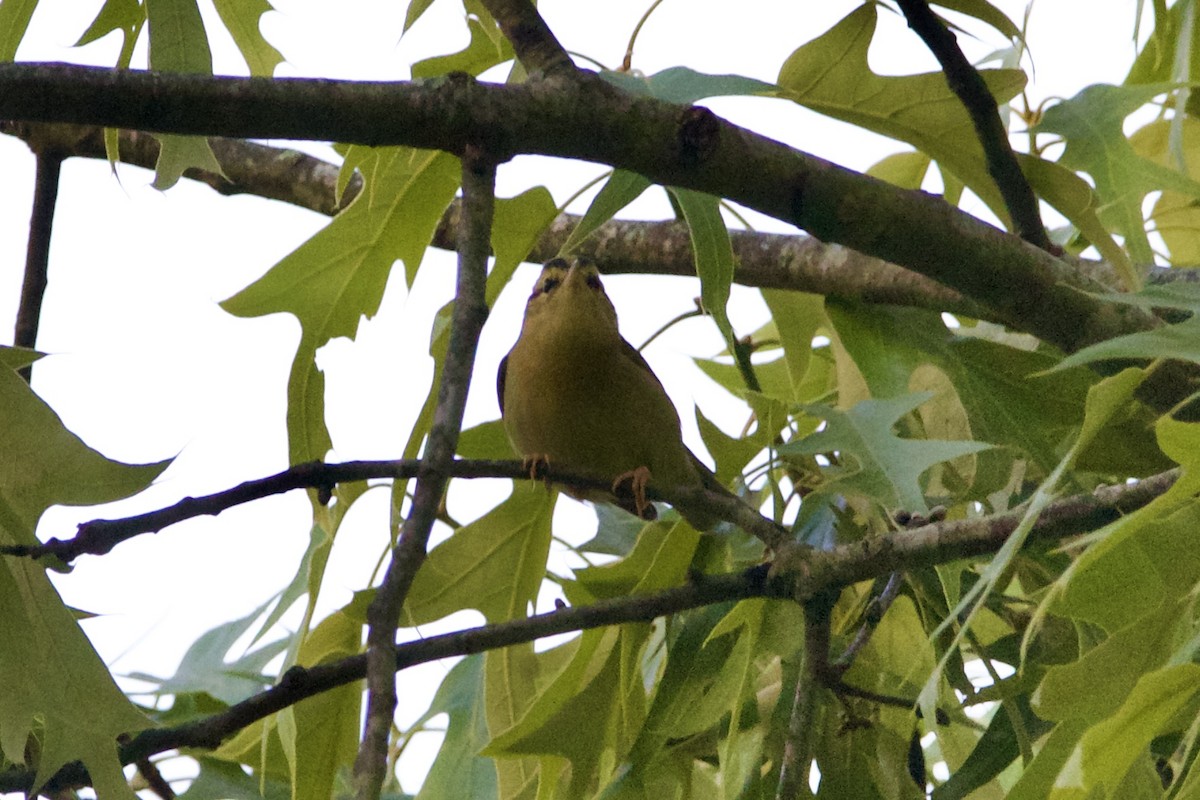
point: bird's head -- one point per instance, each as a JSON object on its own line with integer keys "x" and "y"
{"x": 572, "y": 290}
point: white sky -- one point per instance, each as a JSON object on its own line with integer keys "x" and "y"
{"x": 144, "y": 365}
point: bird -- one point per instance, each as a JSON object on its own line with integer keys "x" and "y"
{"x": 574, "y": 393}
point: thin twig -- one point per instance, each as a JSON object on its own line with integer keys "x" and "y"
{"x": 100, "y": 536}
{"x": 154, "y": 779}
{"x": 383, "y": 615}
{"x": 797, "y": 747}
{"x": 300, "y": 683}
{"x": 37, "y": 252}
{"x": 873, "y": 615}
{"x": 966, "y": 82}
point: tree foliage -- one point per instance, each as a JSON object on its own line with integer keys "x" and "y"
{"x": 965, "y": 564}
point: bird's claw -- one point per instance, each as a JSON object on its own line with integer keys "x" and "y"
{"x": 638, "y": 480}
{"x": 537, "y": 466}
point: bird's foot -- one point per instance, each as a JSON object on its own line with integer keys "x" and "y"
{"x": 537, "y": 465}
{"x": 638, "y": 479}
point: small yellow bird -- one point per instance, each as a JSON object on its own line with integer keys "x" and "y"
{"x": 575, "y": 394}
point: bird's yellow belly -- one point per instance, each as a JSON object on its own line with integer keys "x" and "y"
{"x": 601, "y": 416}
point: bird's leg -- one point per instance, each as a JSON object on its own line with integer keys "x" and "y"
{"x": 537, "y": 465}
{"x": 638, "y": 480}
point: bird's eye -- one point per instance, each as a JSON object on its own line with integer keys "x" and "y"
{"x": 593, "y": 282}
{"x": 547, "y": 285}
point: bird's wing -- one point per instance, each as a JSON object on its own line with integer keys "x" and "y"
{"x": 501, "y": 377}
{"x": 630, "y": 352}
{"x": 707, "y": 477}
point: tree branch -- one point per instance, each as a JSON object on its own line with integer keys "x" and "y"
{"x": 383, "y": 615}
{"x": 965, "y": 81}
{"x": 299, "y": 683}
{"x": 950, "y": 540}
{"x": 934, "y": 543}
{"x": 589, "y": 119}
{"x": 534, "y": 43}
{"x": 764, "y": 260}
{"x": 37, "y": 252}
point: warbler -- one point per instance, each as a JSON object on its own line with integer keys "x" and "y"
{"x": 575, "y": 394}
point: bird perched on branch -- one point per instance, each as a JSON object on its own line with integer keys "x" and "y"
{"x": 575, "y": 394}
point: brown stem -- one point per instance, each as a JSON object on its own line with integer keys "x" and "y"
{"x": 383, "y": 615}
{"x": 966, "y": 82}
{"x": 534, "y": 43}
{"x": 37, "y": 252}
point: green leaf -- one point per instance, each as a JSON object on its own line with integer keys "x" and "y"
{"x": 517, "y": 225}
{"x": 1075, "y": 199}
{"x": 487, "y": 48}
{"x": 222, "y": 780}
{"x": 797, "y": 317}
{"x": 906, "y": 170}
{"x": 713, "y": 253}
{"x": 1091, "y": 123}
{"x": 17, "y": 357}
{"x": 984, "y": 12}
{"x": 660, "y": 559}
{"x": 1004, "y": 405}
{"x": 831, "y": 75}
{"x": 242, "y": 19}
{"x": 495, "y": 564}
{"x": 621, "y": 189}
{"x": 458, "y": 770}
{"x": 684, "y": 85}
{"x": 177, "y": 154}
{"x": 731, "y": 454}
{"x": 509, "y": 689}
{"x": 488, "y": 440}
{"x": 774, "y": 377}
{"x": 49, "y": 669}
{"x": 1174, "y": 214}
{"x": 203, "y": 667}
{"x": 1180, "y": 341}
{"x": 1039, "y": 776}
{"x": 178, "y": 42}
{"x": 415, "y": 9}
{"x": 14, "y": 21}
{"x": 995, "y": 750}
{"x": 52, "y": 675}
{"x": 45, "y": 464}
{"x": 887, "y": 468}
{"x": 1110, "y": 748}
{"x": 603, "y": 685}
{"x": 115, "y": 15}
{"x": 1158, "y": 60}
{"x": 320, "y": 733}
{"x": 338, "y": 276}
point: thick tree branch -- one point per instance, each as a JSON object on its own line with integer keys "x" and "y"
{"x": 37, "y": 252}
{"x": 589, "y": 119}
{"x": 965, "y": 81}
{"x": 765, "y": 260}
{"x": 383, "y": 615}
{"x": 299, "y": 683}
